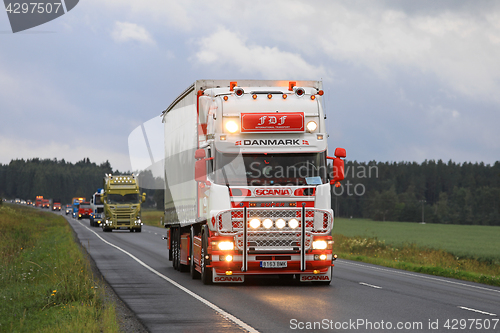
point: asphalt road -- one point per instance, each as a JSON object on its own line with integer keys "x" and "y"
{"x": 361, "y": 298}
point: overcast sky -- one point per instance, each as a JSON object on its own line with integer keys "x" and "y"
{"x": 403, "y": 80}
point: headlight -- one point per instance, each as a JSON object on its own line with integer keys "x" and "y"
{"x": 267, "y": 223}
{"x": 311, "y": 126}
{"x": 293, "y": 223}
{"x": 232, "y": 126}
{"x": 319, "y": 245}
{"x": 255, "y": 223}
{"x": 226, "y": 245}
{"x": 280, "y": 223}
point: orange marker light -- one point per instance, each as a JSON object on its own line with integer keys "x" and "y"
{"x": 313, "y": 97}
{"x": 285, "y": 96}
{"x": 269, "y": 96}
{"x": 254, "y": 96}
{"x": 225, "y": 98}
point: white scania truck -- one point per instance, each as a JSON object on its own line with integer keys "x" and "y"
{"x": 248, "y": 190}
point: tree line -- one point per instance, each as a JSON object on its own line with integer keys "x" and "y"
{"x": 54, "y": 179}
{"x": 434, "y": 192}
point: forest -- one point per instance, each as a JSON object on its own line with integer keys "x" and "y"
{"x": 434, "y": 192}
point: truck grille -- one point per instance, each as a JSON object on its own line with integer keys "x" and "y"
{"x": 318, "y": 222}
{"x": 122, "y": 216}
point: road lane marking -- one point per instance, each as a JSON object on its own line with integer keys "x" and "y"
{"x": 370, "y": 285}
{"x": 478, "y": 311}
{"x": 201, "y": 299}
{"x": 418, "y": 276}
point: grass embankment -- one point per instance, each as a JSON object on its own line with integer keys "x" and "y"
{"x": 46, "y": 284}
{"x": 152, "y": 217}
{"x": 469, "y": 253}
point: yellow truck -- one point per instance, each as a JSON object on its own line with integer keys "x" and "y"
{"x": 122, "y": 203}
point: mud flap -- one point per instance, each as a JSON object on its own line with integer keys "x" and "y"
{"x": 327, "y": 276}
{"x": 223, "y": 278}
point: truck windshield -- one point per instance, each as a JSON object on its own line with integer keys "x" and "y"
{"x": 131, "y": 198}
{"x": 270, "y": 169}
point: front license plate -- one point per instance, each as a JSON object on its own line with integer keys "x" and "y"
{"x": 273, "y": 264}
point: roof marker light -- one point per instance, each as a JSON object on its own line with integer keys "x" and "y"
{"x": 239, "y": 92}
{"x": 226, "y": 98}
{"x": 285, "y": 96}
{"x": 254, "y": 96}
{"x": 269, "y": 96}
{"x": 300, "y": 92}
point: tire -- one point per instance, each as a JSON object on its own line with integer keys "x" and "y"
{"x": 192, "y": 267}
{"x": 175, "y": 250}
{"x": 138, "y": 230}
{"x": 206, "y": 273}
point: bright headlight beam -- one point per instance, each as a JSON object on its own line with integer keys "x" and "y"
{"x": 293, "y": 223}
{"x": 311, "y": 126}
{"x": 226, "y": 245}
{"x": 232, "y": 127}
{"x": 319, "y": 245}
{"x": 255, "y": 223}
{"x": 280, "y": 223}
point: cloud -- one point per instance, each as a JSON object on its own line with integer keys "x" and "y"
{"x": 226, "y": 48}
{"x": 126, "y": 32}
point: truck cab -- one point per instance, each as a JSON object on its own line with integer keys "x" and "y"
{"x": 122, "y": 203}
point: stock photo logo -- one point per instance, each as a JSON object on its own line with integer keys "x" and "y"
{"x": 25, "y": 15}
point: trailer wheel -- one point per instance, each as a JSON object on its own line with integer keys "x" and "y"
{"x": 206, "y": 273}
{"x": 138, "y": 230}
{"x": 192, "y": 266}
{"x": 175, "y": 249}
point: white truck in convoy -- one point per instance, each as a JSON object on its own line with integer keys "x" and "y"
{"x": 247, "y": 187}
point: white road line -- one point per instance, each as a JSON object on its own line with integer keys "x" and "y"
{"x": 370, "y": 285}
{"x": 418, "y": 276}
{"x": 201, "y": 299}
{"x": 478, "y": 311}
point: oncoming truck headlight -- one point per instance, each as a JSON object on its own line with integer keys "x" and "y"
{"x": 232, "y": 126}
{"x": 226, "y": 245}
{"x": 319, "y": 245}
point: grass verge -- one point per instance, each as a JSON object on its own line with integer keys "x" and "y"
{"x": 46, "y": 285}
{"x": 412, "y": 257}
{"x": 152, "y": 217}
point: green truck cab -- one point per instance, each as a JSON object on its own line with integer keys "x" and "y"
{"x": 122, "y": 203}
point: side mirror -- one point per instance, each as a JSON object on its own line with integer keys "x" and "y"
{"x": 338, "y": 170}
{"x": 143, "y": 197}
{"x": 338, "y": 165}
{"x": 340, "y": 152}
